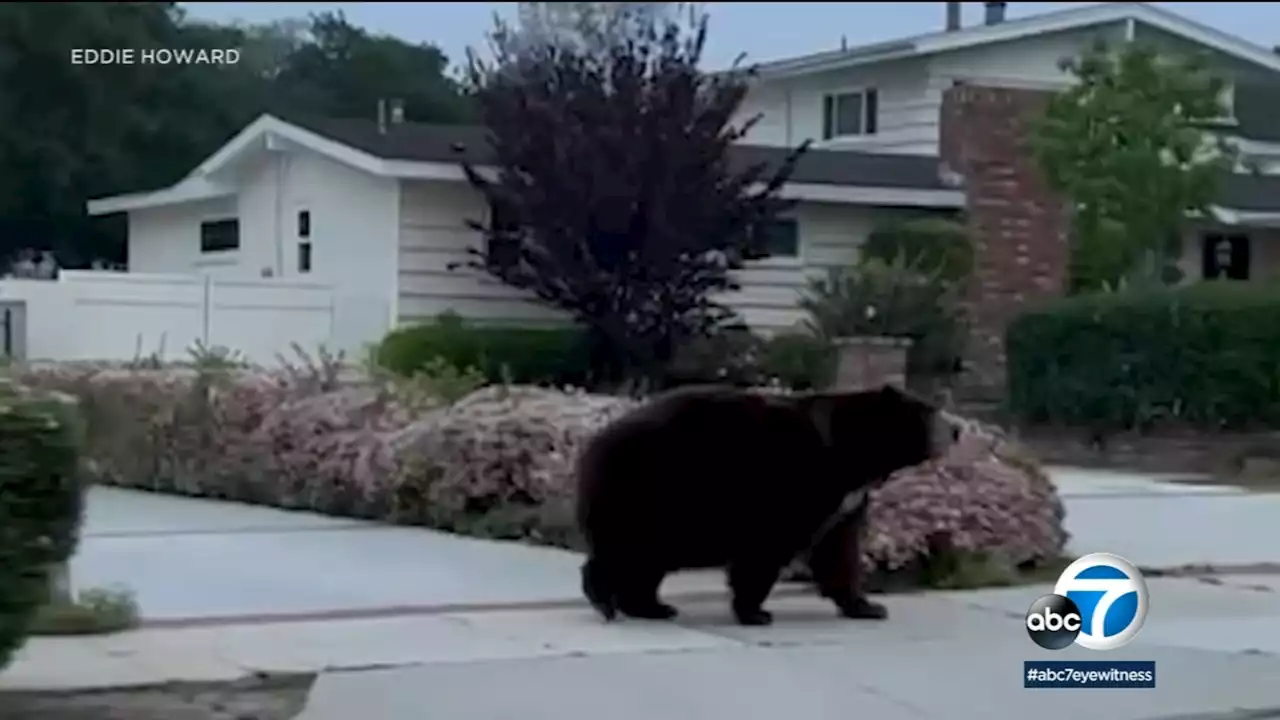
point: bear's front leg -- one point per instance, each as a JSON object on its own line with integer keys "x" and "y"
{"x": 750, "y": 582}
{"x": 836, "y": 562}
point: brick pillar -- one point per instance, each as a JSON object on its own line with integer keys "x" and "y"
{"x": 865, "y": 363}
{"x": 1018, "y": 227}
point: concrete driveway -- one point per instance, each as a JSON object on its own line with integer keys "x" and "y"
{"x": 1166, "y": 520}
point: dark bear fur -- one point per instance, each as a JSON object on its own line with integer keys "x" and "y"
{"x": 713, "y": 476}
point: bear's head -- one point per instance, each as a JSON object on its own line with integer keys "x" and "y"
{"x": 875, "y": 433}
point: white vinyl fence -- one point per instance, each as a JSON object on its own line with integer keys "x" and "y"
{"x": 95, "y": 315}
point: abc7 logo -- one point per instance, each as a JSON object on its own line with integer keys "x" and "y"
{"x": 1053, "y": 622}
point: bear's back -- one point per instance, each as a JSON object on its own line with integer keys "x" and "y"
{"x": 694, "y": 468}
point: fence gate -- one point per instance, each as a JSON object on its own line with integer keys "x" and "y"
{"x": 13, "y": 329}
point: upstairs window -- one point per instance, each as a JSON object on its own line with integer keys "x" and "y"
{"x": 850, "y": 114}
{"x": 219, "y": 236}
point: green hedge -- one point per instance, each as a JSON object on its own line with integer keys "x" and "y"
{"x": 41, "y": 502}
{"x": 555, "y": 356}
{"x": 1205, "y": 355}
{"x": 937, "y": 245}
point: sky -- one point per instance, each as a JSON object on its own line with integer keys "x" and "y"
{"x": 762, "y": 30}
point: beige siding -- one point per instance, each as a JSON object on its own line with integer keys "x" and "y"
{"x": 434, "y": 234}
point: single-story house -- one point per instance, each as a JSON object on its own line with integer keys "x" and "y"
{"x": 380, "y": 213}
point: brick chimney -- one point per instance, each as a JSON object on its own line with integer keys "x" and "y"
{"x": 1019, "y": 228}
{"x": 953, "y": 16}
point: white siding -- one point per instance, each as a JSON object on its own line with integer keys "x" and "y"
{"x": 791, "y": 111}
{"x": 910, "y": 91}
{"x": 354, "y": 229}
{"x": 830, "y": 235}
{"x": 167, "y": 239}
{"x": 434, "y": 234}
{"x": 1033, "y": 60}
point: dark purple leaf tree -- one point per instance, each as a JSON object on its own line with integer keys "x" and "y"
{"x": 613, "y": 190}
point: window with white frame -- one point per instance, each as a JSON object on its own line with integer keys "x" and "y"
{"x": 850, "y": 114}
{"x": 778, "y": 238}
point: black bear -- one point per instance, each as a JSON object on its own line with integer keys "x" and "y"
{"x": 714, "y": 476}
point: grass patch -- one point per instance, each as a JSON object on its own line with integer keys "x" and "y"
{"x": 956, "y": 570}
{"x": 97, "y": 611}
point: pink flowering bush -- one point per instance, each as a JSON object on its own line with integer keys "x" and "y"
{"x": 494, "y": 461}
{"x": 986, "y": 497}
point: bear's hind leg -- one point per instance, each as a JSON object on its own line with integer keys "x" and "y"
{"x": 598, "y": 586}
{"x": 836, "y": 562}
{"x": 751, "y": 582}
{"x": 638, "y": 593}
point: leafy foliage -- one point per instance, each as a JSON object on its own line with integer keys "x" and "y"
{"x": 72, "y": 132}
{"x": 933, "y": 244}
{"x": 1206, "y": 355}
{"x": 40, "y": 505}
{"x": 620, "y": 200}
{"x": 894, "y": 299}
{"x": 1127, "y": 144}
{"x": 523, "y": 355}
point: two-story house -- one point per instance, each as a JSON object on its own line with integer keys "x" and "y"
{"x": 927, "y": 124}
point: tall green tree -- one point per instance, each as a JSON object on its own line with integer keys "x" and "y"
{"x": 71, "y": 132}
{"x": 341, "y": 70}
{"x": 1129, "y": 145}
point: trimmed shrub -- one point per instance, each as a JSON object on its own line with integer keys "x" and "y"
{"x": 40, "y": 505}
{"x": 1205, "y": 356}
{"x": 523, "y": 355}
{"x": 796, "y": 359}
{"x": 496, "y": 463}
{"x": 934, "y": 244}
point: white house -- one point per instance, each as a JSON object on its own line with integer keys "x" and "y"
{"x": 379, "y": 210}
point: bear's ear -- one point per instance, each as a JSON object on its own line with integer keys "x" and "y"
{"x": 891, "y": 391}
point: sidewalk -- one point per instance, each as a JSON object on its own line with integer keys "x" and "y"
{"x": 952, "y": 655}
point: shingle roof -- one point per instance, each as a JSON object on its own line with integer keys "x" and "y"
{"x": 453, "y": 143}
{"x": 1256, "y": 109}
{"x": 1251, "y": 193}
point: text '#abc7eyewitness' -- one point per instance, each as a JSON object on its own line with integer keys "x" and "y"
{"x": 1099, "y": 603}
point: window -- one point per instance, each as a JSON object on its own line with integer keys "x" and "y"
{"x": 779, "y": 238}
{"x": 503, "y": 247}
{"x": 850, "y": 114}
{"x": 219, "y": 236}
{"x": 304, "y": 223}
{"x": 304, "y": 257}
{"x": 1225, "y": 257}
